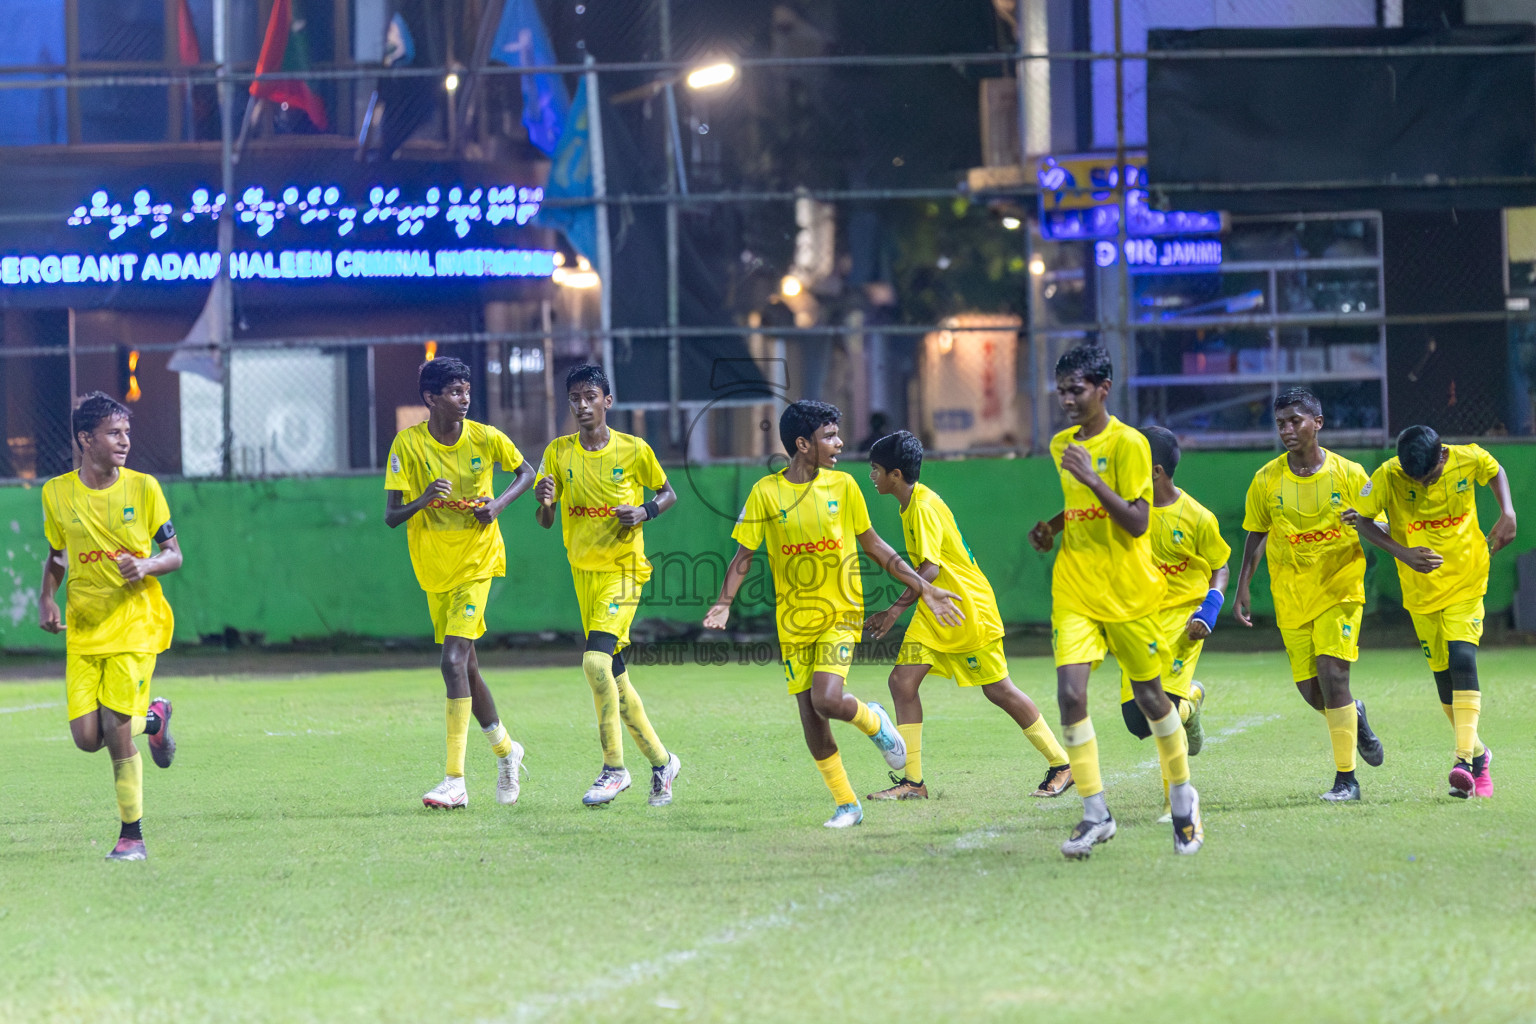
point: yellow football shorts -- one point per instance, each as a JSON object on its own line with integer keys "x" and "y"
{"x": 461, "y": 611}
{"x": 832, "y": 652}
{"x": 1460, "y": 621}
{"x": 978, "y": 668}
{"x": 1335, "y": 633}
{"x": 116, "y": 681}
{"x": 1077, "y": 639}
{"x": 1177, "y": 652}
{"x": 609, "y": 600}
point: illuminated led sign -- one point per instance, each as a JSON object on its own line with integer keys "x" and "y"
{"x": 1192, "y": 253}
{"x": 1078, "y": 201}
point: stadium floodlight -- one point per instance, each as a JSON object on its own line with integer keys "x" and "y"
{"x": 711, "y": 75}
{"x": 790, "y": 286}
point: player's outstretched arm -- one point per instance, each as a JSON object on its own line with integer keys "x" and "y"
{"x": 48, "y": 615}
{"x": 1504, "y": 530}
{"x": 880, "y": 623}
{"x": 167, "y": 560}
{"x": 397, "y": 511}
{"x": 634, "y": 515}
{"x": 735, "y": 576}
{"x": 1417, "y": 559}
{"x": 1043, "y": 534}
{"x": 522, "y": 479}
{"x": 1253, "y": 550}
{"x": 1133, "y": 516}
{"x": 940, "y": 602}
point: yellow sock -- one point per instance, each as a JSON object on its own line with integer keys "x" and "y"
{"x": 1450, "y": 713}
{"x": 632, "y": 710}
{"x": 836, "y": 779}
{"x": 1172, "y": 748}
{"x": 1083, "y": 754}
{"x": 501, "y": 743}
{"x": 865, "y": 720}
{"x": 1045, "y": 741}
{"x": 1467, "y": 705}
{"x": 913, "y": 735}
{"x": 458, "y": 734}
{"x": 128, "y": 777}
{"x": 598, "y": 668}
{"x": 1343, "y": 733}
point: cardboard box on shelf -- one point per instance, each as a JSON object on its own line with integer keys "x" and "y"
{"x": 1360, "y": 357}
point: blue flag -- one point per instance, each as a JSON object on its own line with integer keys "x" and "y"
{"x": 522, "y": 42}
{"x": 570, "y": 176}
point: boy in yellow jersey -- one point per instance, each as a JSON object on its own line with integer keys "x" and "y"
{"x": 1105, "y": 595}
{"x": 809, "y": 516}
{"x": 598, "y": 477}
{"x": 1188, "y": 550}
{"x": 1428, "y": 494}
{"x": 1294, "y": 519}
{"x": 100, "y": 522}
{"x": 456, "y": 550}
{"x": 971, "y": 653}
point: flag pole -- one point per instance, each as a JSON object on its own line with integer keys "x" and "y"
{"x": 222, "y": 330}
{"x": 600, "y": 197}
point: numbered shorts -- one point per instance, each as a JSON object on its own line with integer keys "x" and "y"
{"x": 1076, "y": 639}
{"x": 1177, "y": 653}
{"x": 461, "y": 611}
{"x": 1335, "y": 633}
{"x": 831, "y": 652}
{"x": 608, "y": 600}
{"x": 116, "y": 681}
{"x": 1461, "y": 621}
{"x": 979, "y": 668}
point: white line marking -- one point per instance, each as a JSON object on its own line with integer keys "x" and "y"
{"x": 29, "y": 707}
{"x": 306, "y": 732}
{"x": 646, "y": 970}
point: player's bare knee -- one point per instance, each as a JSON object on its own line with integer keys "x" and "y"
{"x": 1149, "y": 696}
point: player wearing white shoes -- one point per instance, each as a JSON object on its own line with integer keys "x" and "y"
{"x": 456, "y": 550}
{"x": 809, "y": 516}
{"x": 595, "y": 481}
{"x": 102, "y": 523}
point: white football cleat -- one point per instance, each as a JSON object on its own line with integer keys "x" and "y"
{"x": 661, "y": 780}
{"x": 448, "y": 794}
{"x": 509, "y": 771}
{"x": 846, "y": 816}
{"x": 609, "y": 784}
{"x": 889, "y": 740}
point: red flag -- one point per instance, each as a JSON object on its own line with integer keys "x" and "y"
{"x": 187, "y": 51}
{"x": 285, "y": 49}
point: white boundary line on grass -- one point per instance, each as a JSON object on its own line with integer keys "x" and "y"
{"x": 645, "y": 970}
{"x": 29, "y": 707}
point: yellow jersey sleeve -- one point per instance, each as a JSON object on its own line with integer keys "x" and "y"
{"x": 157, "y": 513}
{"x": 550, "y": 467}
{"x": 925, "y": 536}
{"x": 650, "y": 473}
{"x": 1487, "y": 467}
{"x": 1256, "y": 507}
{"x": 751, "y": 523}
{"x": 397, "y": 468}
{"x": 1372, "y": 500}
{"x": 503, "y": 451}
{"x": 858, "y": 512}
{"x": 1133, "y": 472}
{"x": 53, "y": 525}
{"x": 1212, "y": 546}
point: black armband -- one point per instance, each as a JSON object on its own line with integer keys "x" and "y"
{"x": 165, "y": 532}
{"x": 652, "y": 510}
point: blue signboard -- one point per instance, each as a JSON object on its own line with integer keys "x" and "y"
{"x": 1186, "y": 253}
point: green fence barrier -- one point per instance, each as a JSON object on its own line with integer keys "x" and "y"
{"x": 308, "y": 558}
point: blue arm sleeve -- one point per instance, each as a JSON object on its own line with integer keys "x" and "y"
{"x": 1209, "y": 609}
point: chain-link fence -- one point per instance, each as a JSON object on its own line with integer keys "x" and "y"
{"x": 911, "y": 217}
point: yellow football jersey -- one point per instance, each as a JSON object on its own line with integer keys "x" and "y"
{"x": 103, "y": 613}
{"x": 449, "y": 546}
{"x": 1102, "y": 571}
{"x": 589, "y": 486}
{"x": 1187, "y": 548}
{"x": 1315, "y": 561}
{"x": 811, "y": 532}
{"x": 1441, "y": 517}
{"x": 932, "y": 536}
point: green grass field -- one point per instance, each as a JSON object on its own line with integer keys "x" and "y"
{"x": 295, "y": 876}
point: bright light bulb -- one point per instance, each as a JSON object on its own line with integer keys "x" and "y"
{"x": 451, "y": 82}
{"x": 1037, "y": 266}
{"x": 711, "y": 75}
{"x": 1012, "y": 223}
{"x": 790, "y": 286}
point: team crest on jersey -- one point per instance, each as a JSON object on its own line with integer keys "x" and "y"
{"x": 1100, "y": 464}
{"x": 613, "y": 607}
{"x": 1178, "y": 665}
{"x": 783, "y": 515}
{"x": 1412, "y": 494}
{"x": 618, "y": 472}
{"x": 1461, "y": 485}
{"x": 970, "y": 662}
{"x": 128, "y": 514}
{"x": 1335, "y": 500}
{"x": 831, "y": 508}
{"x": 474, "y": 463}
{"x": 1346, "y": 628}
{"x": 469, "y": 611}
{"x": 1152, "y": 647}
{"x": 1178, "y": 536}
